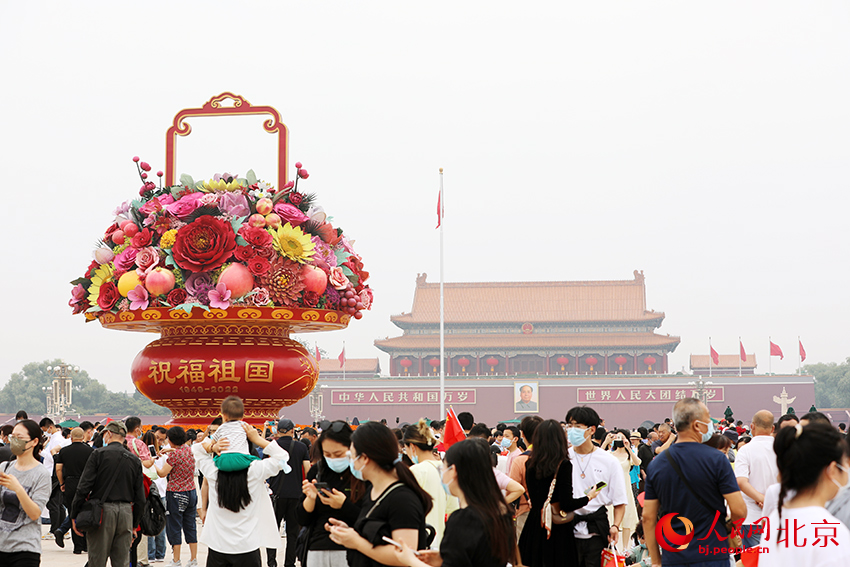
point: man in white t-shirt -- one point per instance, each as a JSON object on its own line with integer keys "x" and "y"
{"x": 592, "y": 465}
{"x": 756, "y": 470}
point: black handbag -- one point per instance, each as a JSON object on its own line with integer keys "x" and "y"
{"x": 90, "y": 515}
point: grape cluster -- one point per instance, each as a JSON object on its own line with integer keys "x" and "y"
{"x": 349, "y": 302}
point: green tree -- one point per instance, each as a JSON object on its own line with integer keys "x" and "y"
{"x": 24, "y": 391}
{"x": 832, "y": 389}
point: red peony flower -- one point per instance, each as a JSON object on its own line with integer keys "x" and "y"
{"x": 177, "y": 296}
{"x": 142, "y": 239}
{"x": 108, "y": 296}
{"x": 107, "y": 236}
{"x": 328, "y": 234}
{"x": 255, "y": 236}
{"x": 204, "y": 244}
{"x": 296, "y": 198}
{"x": 244, "y": 253}
{"x": 92, "y": 268}
{"x": 266, "y": 252}
{"x": 311, "y": 298}
{"x": 258, "y": 265}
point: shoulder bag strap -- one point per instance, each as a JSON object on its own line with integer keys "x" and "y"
{"x": 685, "y": 481}
{"x": 384, "y": 495}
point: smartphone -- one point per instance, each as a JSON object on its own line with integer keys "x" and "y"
{"x": 152, "y": 449}
{"x": 397, "y": 544}
{"x": 322, "y": 486}
{"x": 598, "y": 486}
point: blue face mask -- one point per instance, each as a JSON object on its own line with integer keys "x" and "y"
{"x": 576, "y": 436}
{"x": 415, "y": 459}
{"x": 707, "y": 435}
{"x": 337, "y": 465}
{"x": 506, "y": 443}
{"x": 358, "y": 474}
{"x": 446, "y": 487}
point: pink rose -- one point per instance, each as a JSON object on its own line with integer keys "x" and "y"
{"x": 290, "y": 214}
{"x": 156, "y": 204}
{"x": 147, "y": 259}
{"x": 126, "y": 259}
{"x": 338, "y": 279}
{"x": 209, "y": 200}
{"x": 260, "y": 297}
{"x": 185, "y": 206}
{"x": 78, "y": 294}
{"x": 366, "y": 298}
{"x": 234, "y": 204}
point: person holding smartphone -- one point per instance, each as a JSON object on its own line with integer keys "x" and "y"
{"x": 481, "y": 533}
{"x": 618, "y": 443}
{"x": 394, "y": 504}
{"x": 330, "y": 491}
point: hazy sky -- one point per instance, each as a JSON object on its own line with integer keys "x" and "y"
{"x": 705, "y": 143}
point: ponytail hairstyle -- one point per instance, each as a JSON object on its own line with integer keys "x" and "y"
{"x": 339, "y": 432}
{"x": 377, "y": 442}
{"x": 34, "y": 432}
{"x": 421, "y": 436}
{"x": 471, "y": 460}
{"x": 802, "y": 453}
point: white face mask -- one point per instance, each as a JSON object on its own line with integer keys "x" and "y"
{"x": 845, "y": 486}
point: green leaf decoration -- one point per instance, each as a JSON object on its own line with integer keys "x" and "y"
{"x": 347, "y": 271}
{"x": 94, "y": 309}
{"x": 199, "y": 185}
{"x": 176, "y": 190}
{"x": 186, "y": 180}
{"x": 241, "y": 241}
{"x": 187, "y": 307}
{"x": 341, "y": 257}
{"x": 251, "y": 177}
{"x": 169, "y": 258}
{"x": 85, "y": 281}
{"x": 236, "y": 223}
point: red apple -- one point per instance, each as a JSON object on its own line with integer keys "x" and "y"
{"x": 159, "y": 281}
{"x": 238, "y": 279}
{"x": 118, "y": 237}
{"x": 315, "y": 279}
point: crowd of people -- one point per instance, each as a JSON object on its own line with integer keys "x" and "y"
{"x": 542, "y": 493}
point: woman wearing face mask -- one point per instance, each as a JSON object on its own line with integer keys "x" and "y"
{"x": 394, "y": 505}
{"x": 813, "y": 465}
{"x": 340, "y": 500}
{"x": 419, "y": 444}
{"x": 622, "y": 451}
{"x": 24, "y": 491}
{"x": 481, "y": 533}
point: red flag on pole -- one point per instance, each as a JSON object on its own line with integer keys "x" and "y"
{"x": 714, "y": 356}
{"x": 318, "y": 354}
{"x": 776, "y": 351}
{"x": 743, "y": 352}
{"x": 439, "y": 208}
{"x": 802, "y": 352}
{"x": 342, "y": 357}
{"x": 453, "y": 431}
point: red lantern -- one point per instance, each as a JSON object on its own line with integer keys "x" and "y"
{"x": 621, "y": 360}
{"x": 492, "y": 362}
{"x": 649, "y": 360}
{"x": 463, "y": 362}
{"x": 406, "y": 364}
{"x": 591, "y": 360}
{"x": 435, "y": 363}
{"x": 563, "y": 361}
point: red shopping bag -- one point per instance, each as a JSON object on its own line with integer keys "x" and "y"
{"x": 612, "y": 558}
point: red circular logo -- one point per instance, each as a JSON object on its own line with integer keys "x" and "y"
{"x": 527, "y": 328}
{"x": 668, "y": 538}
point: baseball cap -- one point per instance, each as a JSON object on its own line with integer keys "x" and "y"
{"x": 116, "y": 427}
{"x": 285, "y": 424}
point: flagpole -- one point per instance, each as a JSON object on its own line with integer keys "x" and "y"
{"x": 740, "y": 347}
{"x": 770, "y": 355}
{"x": 442, "y": 307}
{"x": 709, "y": 357}
{"x": 799, "y": 358}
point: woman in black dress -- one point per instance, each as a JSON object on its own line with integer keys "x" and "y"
{"x": 549, "y": 457}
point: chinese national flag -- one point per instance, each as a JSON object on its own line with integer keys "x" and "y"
{"x": 318, "y": 354}
{"x": 453, "y": 432}
{"x": 802, "y": 352}
{"x": 714, "y": 356}
{"x": 342, "y": 358}
{"x": 776, "y": 351}
{"x": 743, "y": 352}
{"x": 439, "y": 208}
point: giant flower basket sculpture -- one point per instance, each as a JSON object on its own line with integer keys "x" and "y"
{"x": 224, "y": 269}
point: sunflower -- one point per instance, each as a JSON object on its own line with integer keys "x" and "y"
{"x": 102, "y": 275}
{"x": 292, "y": 243}
{"x": 221, "y": 184}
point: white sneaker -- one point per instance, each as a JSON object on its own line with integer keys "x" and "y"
{"x": 192, "y": 563}
{"x": 174, "y": 564}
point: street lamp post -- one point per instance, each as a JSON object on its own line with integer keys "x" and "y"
{"x": 317, "y": 404}
{"x": 59, "y": 397}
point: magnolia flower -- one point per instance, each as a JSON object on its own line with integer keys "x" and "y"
{"x": 138, "y": 297}
{"x": 103, "y": 255}
{"x": 219, "y": 297}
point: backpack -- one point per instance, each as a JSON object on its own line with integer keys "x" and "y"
{"x": 153, "y": 516}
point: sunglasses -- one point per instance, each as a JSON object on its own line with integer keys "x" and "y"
{"x": 334, "y": 427}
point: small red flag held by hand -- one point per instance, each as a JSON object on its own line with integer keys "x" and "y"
{"x": 776, "y": 351}
{"x": 453, "y": 432}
